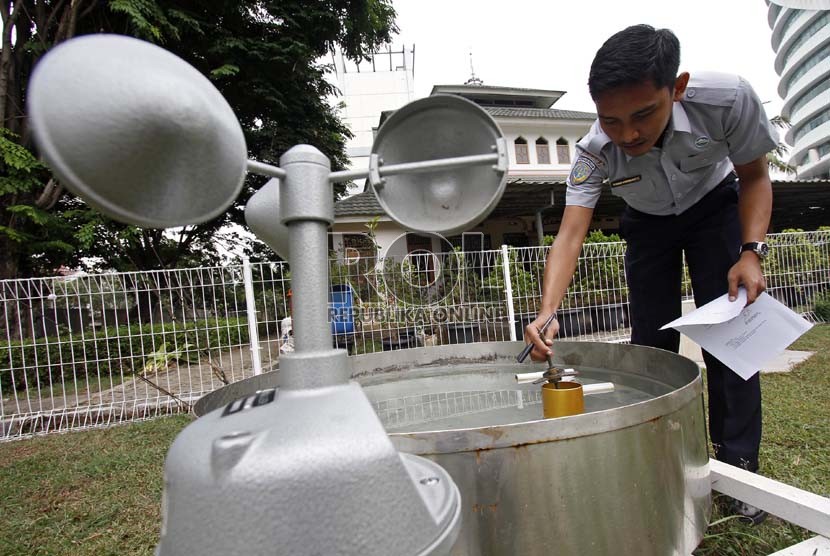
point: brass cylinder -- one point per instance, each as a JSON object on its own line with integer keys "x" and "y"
{"x": 562, "y": 398}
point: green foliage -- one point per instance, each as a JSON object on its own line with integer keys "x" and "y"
{"x": 598, "y": 236}
{"x": 225, "y": 71}
{"x": 600, "y": 278}
{"x": 525, "y": 279}
{"x": 362, "y": 270}
{"x": 147, "y": 19}
{"x": 461, "y": 283}
{"x": 125, "y": 349}
{"x": 160, "y": 360}
{"x": 17, "y": 159}
{"x": 776, "y": 158}
{"x": 365, "y": 345}
{"x": 36, "y": 215}
{"x": 39, "y": 237}
{"x": 360, "y": 273}
{"x": 822, "y": 307}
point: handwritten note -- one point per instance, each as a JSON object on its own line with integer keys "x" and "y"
{"x": 743, "y": 337}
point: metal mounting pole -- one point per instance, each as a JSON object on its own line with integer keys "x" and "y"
{"x": 308, "y": 210}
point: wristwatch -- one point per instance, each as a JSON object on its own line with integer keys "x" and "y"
{"x": 760, "y": 248}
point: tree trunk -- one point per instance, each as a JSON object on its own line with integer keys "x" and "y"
{"x": 9, "y": 262}
{"x": 9, "y": 20}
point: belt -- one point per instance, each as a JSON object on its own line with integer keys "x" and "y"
{"x": 730, "y": 177}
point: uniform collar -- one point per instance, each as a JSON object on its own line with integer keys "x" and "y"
{"x": 679, "y": 119}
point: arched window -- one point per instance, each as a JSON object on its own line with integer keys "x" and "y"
{"x": 542, "y": 151}
{"x": 521, "y": 151}
{"x": 563, "y": 151}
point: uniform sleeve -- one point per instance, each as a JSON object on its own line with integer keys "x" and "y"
{"x": 588, "y": 172}
{"x": 749, "y": 133}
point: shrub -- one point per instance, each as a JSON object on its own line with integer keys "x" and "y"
{"x": 523, "y": 280}
{"x": 822, "y": 308}
{"x": 797, "y": 266}
{"x": 113, "y": 351}
{"x": 600, "y": 279}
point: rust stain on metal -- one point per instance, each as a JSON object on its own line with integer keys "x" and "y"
{"x": 494, "y": 433}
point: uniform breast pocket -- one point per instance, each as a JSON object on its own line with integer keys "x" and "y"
{"x": 641, "y": 189}
{"x": 712, "y": 154}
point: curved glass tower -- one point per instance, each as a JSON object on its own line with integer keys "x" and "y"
{"x": 801, "y": 40}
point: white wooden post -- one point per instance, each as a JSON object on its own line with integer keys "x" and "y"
{"x": 508, "y": 292}
{"x": 797, "y": 506}
{"x": 253, "y": 333}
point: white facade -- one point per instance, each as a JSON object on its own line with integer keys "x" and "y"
{"x": 560, "y": 156}
{"x": 801, "y": 40}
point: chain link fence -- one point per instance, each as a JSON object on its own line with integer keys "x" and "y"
{"x": 93, "y": 350}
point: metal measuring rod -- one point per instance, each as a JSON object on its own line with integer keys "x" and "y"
{"x": 306, "y": 468}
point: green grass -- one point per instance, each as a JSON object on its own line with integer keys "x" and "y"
{"x": 98, "y": 492}
{"x": 95, "y": 492}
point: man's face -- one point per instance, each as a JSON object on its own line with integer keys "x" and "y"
{"x": 635, "y": 116}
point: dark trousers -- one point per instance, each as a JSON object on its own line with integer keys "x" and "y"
{"x": 709, "y": 234}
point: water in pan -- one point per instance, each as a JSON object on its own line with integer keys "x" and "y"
{"x": 481, "y": 395}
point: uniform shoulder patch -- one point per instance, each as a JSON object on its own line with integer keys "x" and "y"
{"x": 582, "y": 169}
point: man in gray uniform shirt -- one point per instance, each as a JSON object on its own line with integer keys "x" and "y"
{"x": 688, "y": 156}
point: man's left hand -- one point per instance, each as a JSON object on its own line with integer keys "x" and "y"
{"x": 747, "y": 273}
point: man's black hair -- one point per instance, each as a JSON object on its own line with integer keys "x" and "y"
{"x": 636, "y": 54}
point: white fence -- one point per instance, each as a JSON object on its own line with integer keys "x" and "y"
{"x": 88, "y": 351}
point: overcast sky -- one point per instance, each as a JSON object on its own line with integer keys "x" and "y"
{"x": 549, "y": 44}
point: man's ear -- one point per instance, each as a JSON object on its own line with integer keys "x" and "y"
{"x": 680, "y": 85}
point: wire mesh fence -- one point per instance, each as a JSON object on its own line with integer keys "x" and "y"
{"x": 93, "y": 350}
{"x": 82, "y": 351}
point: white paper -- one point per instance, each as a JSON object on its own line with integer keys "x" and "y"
{"x": 743, "y": 337}
{"x": 716, "y": 311}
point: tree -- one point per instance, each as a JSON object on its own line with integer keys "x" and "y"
{"x": 775, "y": 158}
{"x": 263, "y": 57}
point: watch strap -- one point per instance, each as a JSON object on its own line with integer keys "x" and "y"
{"x": 760, "y": 248}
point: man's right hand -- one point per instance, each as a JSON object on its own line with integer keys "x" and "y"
{"x": 541, "y": 346}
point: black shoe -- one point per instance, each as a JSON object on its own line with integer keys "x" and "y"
{"x": 748, "y": 514}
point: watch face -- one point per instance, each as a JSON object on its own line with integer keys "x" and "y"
{"x": 762, "y": 249}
